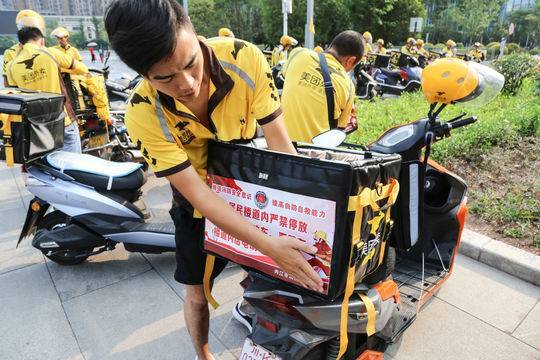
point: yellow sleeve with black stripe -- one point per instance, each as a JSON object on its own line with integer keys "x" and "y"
{"x": 154, "y": 138}
{"x": 266, "y": 105}
{"x": 67, "y": 62}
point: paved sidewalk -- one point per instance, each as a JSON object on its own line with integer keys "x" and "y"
{"x": 121, "y": 305}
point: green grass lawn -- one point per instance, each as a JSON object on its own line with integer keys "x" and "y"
{"x": 498, "y": 155}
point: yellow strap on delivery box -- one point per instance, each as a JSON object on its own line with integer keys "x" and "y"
{"x": 366, "y": 197}
{"x": 8, "y": 147}
{"x": 372, "y": 315}
{"x": 360, "y": 201}
{"x": 207, "y": 280}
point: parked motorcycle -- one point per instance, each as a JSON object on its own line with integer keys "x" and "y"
{"x": 387, "y": 76}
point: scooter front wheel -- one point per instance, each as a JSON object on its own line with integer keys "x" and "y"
{"x": 56, "y": 220}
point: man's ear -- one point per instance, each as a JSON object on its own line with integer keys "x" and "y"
{"x": 350, "y": 62}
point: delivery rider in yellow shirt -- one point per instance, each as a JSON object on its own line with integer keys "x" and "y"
{"x": 280, "y": 52}
{"x": 476, "y": 54}
{"x": 410, "y": 47}
{"x": 62, "y": 35}
{"x": 10, "y": 53}
{"x": 38, "y": 68}
{"x": 193, "y": 92}
{"x": 309, "y": 109}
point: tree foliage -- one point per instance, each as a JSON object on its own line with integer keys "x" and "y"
{"x": 527, "y": 22}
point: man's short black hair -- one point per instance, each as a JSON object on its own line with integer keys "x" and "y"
{"x": 143, "y": 32}
{"x": 29, "y": 33}
{"x": 349, "y": 43}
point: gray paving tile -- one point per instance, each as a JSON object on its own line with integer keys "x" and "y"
{"x": 444, "y": 332}
{"x": 226, "y": 287}
{"x": 96, "y": 272}
{"x": 34, "y": 325}
{"x": 529, "y": 330}
{"x": 489, "y": 294}
{"x": 138, "y": 318}
{"x": 227, "y": 329}
{"x": 11, "y": 258}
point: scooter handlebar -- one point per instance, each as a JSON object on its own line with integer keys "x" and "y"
{"x": 463, "y": 122}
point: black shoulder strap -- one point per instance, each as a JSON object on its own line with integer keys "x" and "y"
{"x": 329, "y": 90}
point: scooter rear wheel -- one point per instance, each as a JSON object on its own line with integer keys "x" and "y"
{"x": 56, "y": 220}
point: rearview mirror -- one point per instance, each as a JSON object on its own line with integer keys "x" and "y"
{"x": 330, "y": 138}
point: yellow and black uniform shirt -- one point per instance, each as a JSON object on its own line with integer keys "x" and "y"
{"x": 381, "y": 50}
{"x": 9, "y": 55}
{"x": 422, "y": 51}
{"x": 410, "y": 52}
{"x": 242, "y": 93}
{"x": 447, "y": 52}
{"x": 477, "y": 55}
{"x": 69, "y": 50}
{"x": 278, "y": 54}
{"x": 368, "y": 48}
{"x": 36, "y": 68}
{"x": 304, "y": 99}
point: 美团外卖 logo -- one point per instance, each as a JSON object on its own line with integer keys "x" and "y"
{"x": 261, "y": 200}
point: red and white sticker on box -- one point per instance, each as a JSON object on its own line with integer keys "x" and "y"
{"x": 276, "y": 213}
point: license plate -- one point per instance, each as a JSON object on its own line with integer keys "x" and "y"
{"x": 252, "y": 351}
{"x": 96, "y": 141}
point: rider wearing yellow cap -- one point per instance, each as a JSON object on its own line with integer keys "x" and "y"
{"x": 225, "y": 32}
{"x": 24, "y": 18}
{"x": 37, "y": 68}
{"x": 476, "y": 54}
{"x": 318, "y": 49}
{"x": 369, "y": 40}
{"x": 450, "y": 49}
{"x": 380, "y": 47}
{"x": 421, "y": 49}
{"x": 62, "y": 35}
{"x": 410, "y": 47}
{"x": 280, "y": 52}
{"x": 306, "y": 106}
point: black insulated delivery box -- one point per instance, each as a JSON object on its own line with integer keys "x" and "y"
{"x": 313, "y": 196}
{"x": 31, "y": 123}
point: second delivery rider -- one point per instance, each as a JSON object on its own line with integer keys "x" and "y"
{"x": 305, "y": 97}
{"x": 194, "y": 92}
{"x": 280, "y": 52}
{"x": 38, "y": 68}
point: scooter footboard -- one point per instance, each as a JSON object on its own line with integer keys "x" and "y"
{"x": 70, "y": 237}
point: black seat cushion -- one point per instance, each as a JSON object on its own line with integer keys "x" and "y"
{"x": 129, "y": 182}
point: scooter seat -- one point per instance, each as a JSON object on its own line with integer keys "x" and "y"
{"x": 96, "y": 172}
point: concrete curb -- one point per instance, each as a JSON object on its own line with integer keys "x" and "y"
{"x": 501, "y": 256}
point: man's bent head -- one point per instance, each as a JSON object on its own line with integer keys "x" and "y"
{"x": 156, "y": 39}
{"x": 348, "y": 48}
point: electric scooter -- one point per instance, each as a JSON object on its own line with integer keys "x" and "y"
{"x": 429, "y": 216}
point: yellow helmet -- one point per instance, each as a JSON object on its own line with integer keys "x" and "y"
{"x": 29, "y": 18}
{"x": 60, "y": 32}
{"x": 380, "y": 42}
{"x": 411, "y": 41}
{"x": 477, "y": 44}
{"x": 419, "y": 42}
{"x": 318, "y": 49}
{"x": 450, "y": 43}
{"x": 449, "y": 80}
{"x": 285, "y": 40}
{"x": 367, "y": 35}
{"x": 225, "y": 32}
